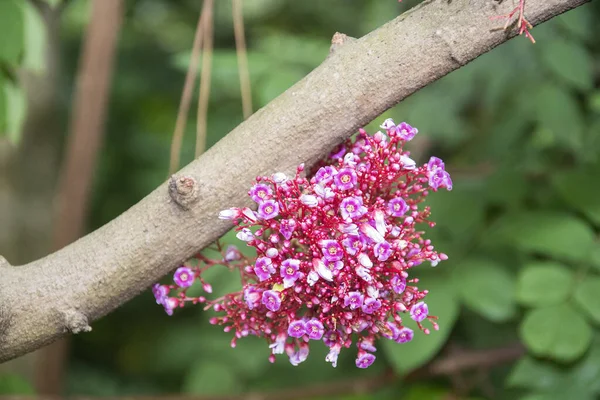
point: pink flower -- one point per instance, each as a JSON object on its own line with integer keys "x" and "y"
{"x": 371, "y": 305}
{"x": 335, "y": 248}
{"x": 404, "y": 335}
{"x": 297, "y": 329}
{"x": 264, "y": 268}
{"x": 271, "y": 299}
{"x": 315, "y": 329}
{"x": 260, "y": 192}
{"x": 352, "y": 207}
{"x": 345, "y": 179}
{"x": 268, "y": 209}
{"x": 184, "y": 277}
{"x": 289, "y": 272}
{"x": 419, "y": 311}
{"x": 365, "y": 360}
{"x": 353, "y": 300}
{"x": 397, "y": 207}
{"x": 332, "y": 251}
{"x": 160, "y": 292}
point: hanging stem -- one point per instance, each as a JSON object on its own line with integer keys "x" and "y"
{"x": 205, "y": 80}
{"x": 242, "y": 57}
{"x": 186, "y": 96}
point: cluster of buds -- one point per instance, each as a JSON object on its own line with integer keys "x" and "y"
{"x": 333, "y": 252}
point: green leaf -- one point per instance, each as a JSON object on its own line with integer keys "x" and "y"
{"x": 211, "y": 377}
{"x": 579, "y": 22}
{"x": 487, "y": 288}
{"x": 587, "y": 295}
{"x": 442, "y": 303}
{"x": 13, "y": 384}
{"x": 544, "y": 283}
{"x": 558, "y": 332}
{"x": 15, "y": 106}
{"x": 555, "y": 234}
{"x": 579, "y": 189}
{"x": 34, "y": 57}
{"x": 586, "y": 373}
{"x": 558, "y": 115}
{"x": 420, "y": 392}
{"x": 506, "y": 187}
{"x": 53, "y": 3}
{"x": 530, "y": 373}
{"x": 275, "y": 84}
{"x": 3, "y": 107}
{"x": 11, "y": 39}
{"x": 569, "y": 61}
{"x": 595, "y": 257}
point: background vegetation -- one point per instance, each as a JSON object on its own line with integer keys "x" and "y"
{"x": 519, "y": 129}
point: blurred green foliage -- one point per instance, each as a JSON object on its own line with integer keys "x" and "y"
{"x": 519, "y": 129}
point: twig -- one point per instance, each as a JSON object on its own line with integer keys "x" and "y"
{"x": 242, "y": 57}
{"x": 204, "y": 95}
{"x": 186, "y": 95}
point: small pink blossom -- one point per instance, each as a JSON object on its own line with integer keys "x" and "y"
{"x": 271, "y": 299}
{"x": 419, "y": 311}
{"x": 184, "y": 277}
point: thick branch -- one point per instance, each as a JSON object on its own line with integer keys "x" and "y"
{"x": 359, "y": 81}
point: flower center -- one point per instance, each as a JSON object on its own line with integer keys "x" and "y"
{"x": 269, "y": 209}
{"x": 332, "y": 251}
{"x": 350, "y": 208}
{"x": 290, "y": 271}
{"x": 345, "y": 179}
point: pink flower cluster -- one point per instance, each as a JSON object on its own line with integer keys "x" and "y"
{"x": 333, "y": 252}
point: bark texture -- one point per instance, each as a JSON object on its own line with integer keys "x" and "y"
{"x": 66, "y": 290}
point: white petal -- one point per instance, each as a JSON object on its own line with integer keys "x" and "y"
{"x": 364, "y": 260}
{"x": 372, "y": 233}
{"x": 323, "y": 271}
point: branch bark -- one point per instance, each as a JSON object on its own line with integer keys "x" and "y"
{"x": 355, "y": 84}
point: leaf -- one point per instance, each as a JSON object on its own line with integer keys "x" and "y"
{"x": 558, "y": 332}
{"x": 487, "y": 288}
{"x": 275, "y": 84}
{"x": 442, "y": 303}
{"x": 530, "y": 373}
{"x": 506, "y": 187}
{"x": 569, "y": 61}
{"x": 544, "y": 283}
{"x": 595, "y": 257}
{"x": 11, "y": 39}
{"x": 555, "y": 234}
{"x": 211, "y": 377}
{"x": 558, "y": 114}
{"x": 587, "y": 296}
{"x": 15, "y": 106}
{"x": 579, "y": 22}
{"x": 53, "y": 3}
{"x": 579, "y": 189}
{"x": 586, "y": 373}
{"x": 13, "y": 384}
{"x": 34, "y": 57}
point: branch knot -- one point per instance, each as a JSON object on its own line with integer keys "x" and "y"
{"x": 183, "y": 190}
{"x": 76, "y": 321}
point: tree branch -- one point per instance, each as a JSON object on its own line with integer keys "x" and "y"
{"x": 355, "y": 84}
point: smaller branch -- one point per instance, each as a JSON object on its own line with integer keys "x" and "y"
{"x": 338, "y": 40}
{"x": 205, "y": 80}
{"x": 186, "y": 96}
{"x": 242, "y": 57}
